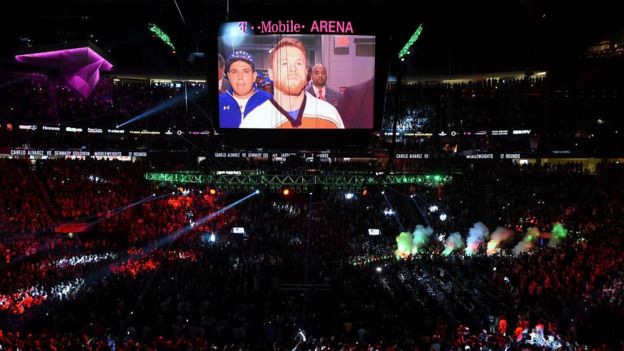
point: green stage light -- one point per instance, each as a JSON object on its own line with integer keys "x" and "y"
{"x": 410, "y": 42}
{"x": 161, "y": 35}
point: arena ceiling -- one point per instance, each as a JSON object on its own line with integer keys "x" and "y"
{"x": 459, "y": 37}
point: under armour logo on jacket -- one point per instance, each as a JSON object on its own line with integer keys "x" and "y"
{"x": 226, "y": 107}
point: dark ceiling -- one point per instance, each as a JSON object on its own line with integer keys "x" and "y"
{"x": 460, "y": 36}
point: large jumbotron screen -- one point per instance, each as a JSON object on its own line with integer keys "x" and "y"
{"x": 286, "y": 74}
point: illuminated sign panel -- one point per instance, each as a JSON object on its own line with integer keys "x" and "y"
{"x": 374, "y": 231}
{"x": 238, "y": 230}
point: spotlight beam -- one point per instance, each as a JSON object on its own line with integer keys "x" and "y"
{"x": 114, "y": 212}
{"x": 394, "y": 214}
{"x": 108, "y": 114}
{"x": 187, "y": 228}
{"x": 11, "y": 82}
{"x": 179, "y": 11}
{"x": 93, "y": 277}
{"x": 155, "y": 110}
{"x": 119, "y": 210}
{"x": 202, "y": 112}
{"x": 422, "y": 213}
{"x": 192, "y": 144}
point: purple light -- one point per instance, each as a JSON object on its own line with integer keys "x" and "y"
{"x": 79, "y": 67}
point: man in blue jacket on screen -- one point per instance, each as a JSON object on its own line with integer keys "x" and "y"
{"x": 242, "y": 96}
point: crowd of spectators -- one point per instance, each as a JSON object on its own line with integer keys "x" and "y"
{"x": 22, "y": 208}
{"x": 305, "y": 272}
{"x": 556, "y": 117}
{"x": 470, "y": 106}
{"x": 37, "y": 99}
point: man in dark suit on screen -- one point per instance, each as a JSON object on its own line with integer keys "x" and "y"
{"x": 318, "y": 87}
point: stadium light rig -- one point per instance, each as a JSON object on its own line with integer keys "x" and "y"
{"x": 162, "y": 36}
{"x": 410, "y": 42}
